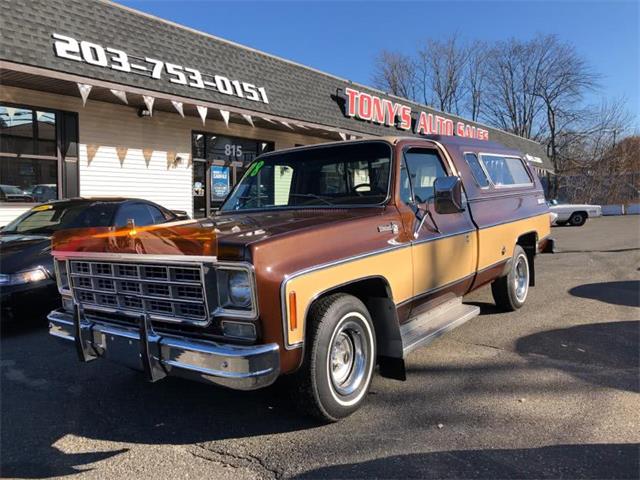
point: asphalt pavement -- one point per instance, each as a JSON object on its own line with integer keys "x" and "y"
{"x": 550, "y": 391}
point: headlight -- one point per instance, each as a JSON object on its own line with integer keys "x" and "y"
{"x": 235, "y": 289}
{"x": 239, "y": 289}
{"x": 28, "y": 276}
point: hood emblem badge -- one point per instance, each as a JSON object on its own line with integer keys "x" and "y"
{"x": 390, "y": 227}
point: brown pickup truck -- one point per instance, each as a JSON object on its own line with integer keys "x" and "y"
{"x": 323, "y": 262}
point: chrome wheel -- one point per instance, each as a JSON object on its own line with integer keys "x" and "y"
{"x": 347, "y": 357}
{"x": 521, "y": 278}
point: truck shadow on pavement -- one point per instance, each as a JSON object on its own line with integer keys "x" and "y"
{"x": 47, "y": 395}
{"x": 48, "y": 398}
{"x": 597, "y": 461}
{"x": 606, "y": 354}
{"x": 625, "y": 293}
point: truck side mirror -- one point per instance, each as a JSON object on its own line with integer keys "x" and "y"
{"x": 447, "y": 195}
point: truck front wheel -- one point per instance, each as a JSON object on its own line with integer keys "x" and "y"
{"x": 339, "y": 358}
{"x": 510, "y": 291}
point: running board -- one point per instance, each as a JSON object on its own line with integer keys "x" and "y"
{"x": 428, "y": 326}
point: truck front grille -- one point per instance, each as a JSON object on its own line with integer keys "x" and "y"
{"x": 171, "y": 293}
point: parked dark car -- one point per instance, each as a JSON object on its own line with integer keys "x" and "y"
{"x": 11, "y": 193}
{"x": 27, "y": 277}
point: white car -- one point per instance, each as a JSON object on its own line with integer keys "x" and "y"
{"x": 573, "y": 214}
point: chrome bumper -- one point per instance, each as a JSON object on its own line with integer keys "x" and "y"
{"x": 233, "y": 366}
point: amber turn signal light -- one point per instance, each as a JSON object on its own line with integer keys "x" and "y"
{"x": 293, "y": 311}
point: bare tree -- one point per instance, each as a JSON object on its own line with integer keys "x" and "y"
{"x": 441, "y": 71}
{"x": 475, "y": 76}
{"x": 533, "y": 88}
{"x": 593, "y": 167}
{"x": 395, "y": 73}
{"x": 515, "y": 69}
{"x": 565, "y": 78}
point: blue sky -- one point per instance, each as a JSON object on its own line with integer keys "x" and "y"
{"x": 343, "y": 38}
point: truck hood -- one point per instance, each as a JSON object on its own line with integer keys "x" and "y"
{"x": 225, "y": 236}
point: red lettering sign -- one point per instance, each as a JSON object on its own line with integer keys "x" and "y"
{"x": 365, "y": 106}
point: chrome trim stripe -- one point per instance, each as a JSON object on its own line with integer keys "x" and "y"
{"x": 441, "y": 237}
{"x": 434, "y": 290}
{"x": 493, "y": 265}
{"x": 484, "y": 227}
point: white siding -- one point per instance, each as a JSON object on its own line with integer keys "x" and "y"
{"x": 114, "y": 142}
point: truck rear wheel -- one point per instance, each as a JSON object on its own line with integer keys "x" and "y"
{"x": 510, "y": 291}
{"x": 339, "y": 358}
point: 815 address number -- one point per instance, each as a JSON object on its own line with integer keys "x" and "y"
{"x": 94, "y": 54}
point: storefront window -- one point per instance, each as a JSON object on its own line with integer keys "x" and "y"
{"x": 229, "y": 149}
{"x": 16, "y": 130}
{"x": 28, "y": 179}
{"x": 45, "y": 133}
{"x": 25, "y": 134}
{"x": 30, "y": 141}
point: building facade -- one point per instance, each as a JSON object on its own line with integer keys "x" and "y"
{"x": 97, "y": 99}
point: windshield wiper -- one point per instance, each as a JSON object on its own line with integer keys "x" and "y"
{"x": 311, "y": 195}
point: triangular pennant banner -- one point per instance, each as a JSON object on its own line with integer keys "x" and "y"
{"x": 122, "y": 154}
{"x": 121, "y": 95}
{"x": 84, "y": 92}
{"x": 268, "y": 120}
{"x": 302, "y": 126}
{"x": 202, "y": 111}
{"x": 148, "y": 101}
{"x": 147, "y": 153}
{"x": 225, "y": 117}
{"x": 286, "y": 124}
{"x": 343, "y": 136}
{"x": 248, "y": 119}
{"x": 91, "y": 153}
{"x": 178, "y": 107}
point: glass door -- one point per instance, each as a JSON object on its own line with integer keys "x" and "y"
{"x": 218, "y": 163}
{"x": 221, "y": 175}
{"x": 199, "y": 188}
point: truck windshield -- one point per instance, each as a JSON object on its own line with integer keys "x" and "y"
{"x": 330, "y": 176}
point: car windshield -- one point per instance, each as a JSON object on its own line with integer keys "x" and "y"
{"x": 48, "y": 218}
{"x": 11, "y": 190}
{"x": 331, "y": 176}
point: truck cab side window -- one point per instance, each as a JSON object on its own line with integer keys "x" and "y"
{"x": 476, "y": 169}
{"x": 506, "y": 170}
{"x": 419, "y": 170}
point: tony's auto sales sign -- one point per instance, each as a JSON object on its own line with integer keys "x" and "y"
{"x": 370, "y": 108}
